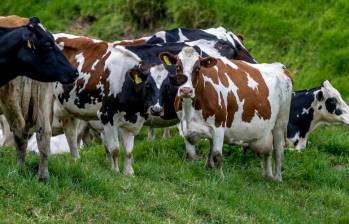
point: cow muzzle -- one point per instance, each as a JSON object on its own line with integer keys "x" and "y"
{"x": 156, "y": 110}
{"x": 186, "y": 92}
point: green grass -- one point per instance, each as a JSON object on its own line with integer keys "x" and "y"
{"x": 169, "y": 189}
{"x": 311, "y": 38}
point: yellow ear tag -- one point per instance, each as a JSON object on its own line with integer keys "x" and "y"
{"x": 29, "y": 45}
{"x": 137, "y": 79}
{"x": 167, "y": 60}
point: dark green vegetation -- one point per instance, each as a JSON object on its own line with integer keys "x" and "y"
{"x": 312, "y": 39}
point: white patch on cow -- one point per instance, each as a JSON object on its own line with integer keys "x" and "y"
{"x": 182, "y": 38}
{"x": 42, "y": 27}
{"x": 159, "y": 74}
{"x": 60, "y": 46}
{"x": 161, "y": 35}
{"x": 94, "y": 65}
{"x": 118, "y": 63}
{"x": 305, "y": 111}
{"x": 188, "y": 56}
{"x": 251, "y": 83}
{"x": 80, "y": 59}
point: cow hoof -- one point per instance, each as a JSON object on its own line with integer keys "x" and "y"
{"x": 129, "y": 172}
{"x": 277, "y": 178}
{"x": 193, "y": 157}
{"x": 43, "y": 176}
{"x": 209, "y": 165}
{"x": 76, "y": 157}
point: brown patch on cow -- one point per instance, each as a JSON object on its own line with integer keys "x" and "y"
{"x": 222, "y": 113}
{"x": 95, "y": 55}
{"x": 212, "y": 103}
{"x": 288, "y": 74}
{"x": 129, "y": 42}
{"x": 13, "y": 21}
{"x": 255, "y": 100}
{"x": 114, "y": 154}
{"x": 178, "y": 104}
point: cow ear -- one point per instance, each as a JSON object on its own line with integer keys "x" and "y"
{"x": 320, "y": 96}
{"x": 208, "y": 62}
{"x": 178, "y": 80}
{"x": 167, "y": 58}
{"x": 241, "y": 38}
{"x": 137, "y": 76}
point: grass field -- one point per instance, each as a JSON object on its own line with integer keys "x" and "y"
{"x": 169, "y": 189}
{"x": 311, "y": 38}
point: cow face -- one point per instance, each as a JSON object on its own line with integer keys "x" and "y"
{"x": 40, "y": 58}
{"x": 241, "y": 52}
{"x": 145, "y": 89}
{"x": 331, "y": 107}
{"x": 188, "y": 62}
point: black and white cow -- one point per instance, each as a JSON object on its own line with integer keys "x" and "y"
{"x": 311, "y": 108}
{"x": 118, "y": 85}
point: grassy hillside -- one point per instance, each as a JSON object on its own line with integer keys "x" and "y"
{"x": 310, "y": 38}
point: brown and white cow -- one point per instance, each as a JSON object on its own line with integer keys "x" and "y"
{"x": 234, "y": 102}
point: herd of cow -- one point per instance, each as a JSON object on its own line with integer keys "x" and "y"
{"x": 204, "y": 80}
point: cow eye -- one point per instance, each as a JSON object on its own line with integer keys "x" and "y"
{"x": 48, "y": 45}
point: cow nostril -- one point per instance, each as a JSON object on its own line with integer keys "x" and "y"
{"x": 156, "y": 110}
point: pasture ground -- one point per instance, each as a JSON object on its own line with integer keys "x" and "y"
{"x": 169, "y": 189}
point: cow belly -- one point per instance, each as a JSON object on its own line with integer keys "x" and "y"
{"x": 89, "y": 112}
{"x": 247, "y": 132}
{"x": 158, "y": 122}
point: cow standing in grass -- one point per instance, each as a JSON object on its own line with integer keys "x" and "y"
{"x": 311, "y": 108}
{"x": 27, "y": 48}
{"x": 116, "y": 86}
{"x": 234, "y": 102}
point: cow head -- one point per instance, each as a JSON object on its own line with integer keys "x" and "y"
{"x": 145, "y": 89}
{"x": 241, "y": 52}
{"x": 188, "y": 63}
{"x": 330, "y": 105}
{"x": 39, "y": 58}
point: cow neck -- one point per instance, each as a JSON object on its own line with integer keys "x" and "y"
{"x": 302, "y": 110}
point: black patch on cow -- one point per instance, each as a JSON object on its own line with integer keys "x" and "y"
{"x": 296, "y": 142}
{"x": 320, "y": 96}
{"x": 320, "y": 107}
{"x": 331, "y": 104}
{"x": 338, "y": 112}
{"x": 301, "y": 100}
{"x": 133, "y": 99}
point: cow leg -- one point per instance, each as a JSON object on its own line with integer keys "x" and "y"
{"x": 190, "y": 151}
{"x": 267, "y": 169}
{"x": 44, "y": 128}
{"x": 106, "y": 150}
{"x": 70, "y": 126}
{"x": 167, "y": 133}
{"x": 151, "y": 134}
{"x": 217, "y": 145}
{"x": 111, "y": 140}
{"x": 128, "y": 141}
{"x": 21, "y": 148}
{"x": 279, "y": 136}
{"x": 216, "y": 149}
{"x": 210, "y": 162}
